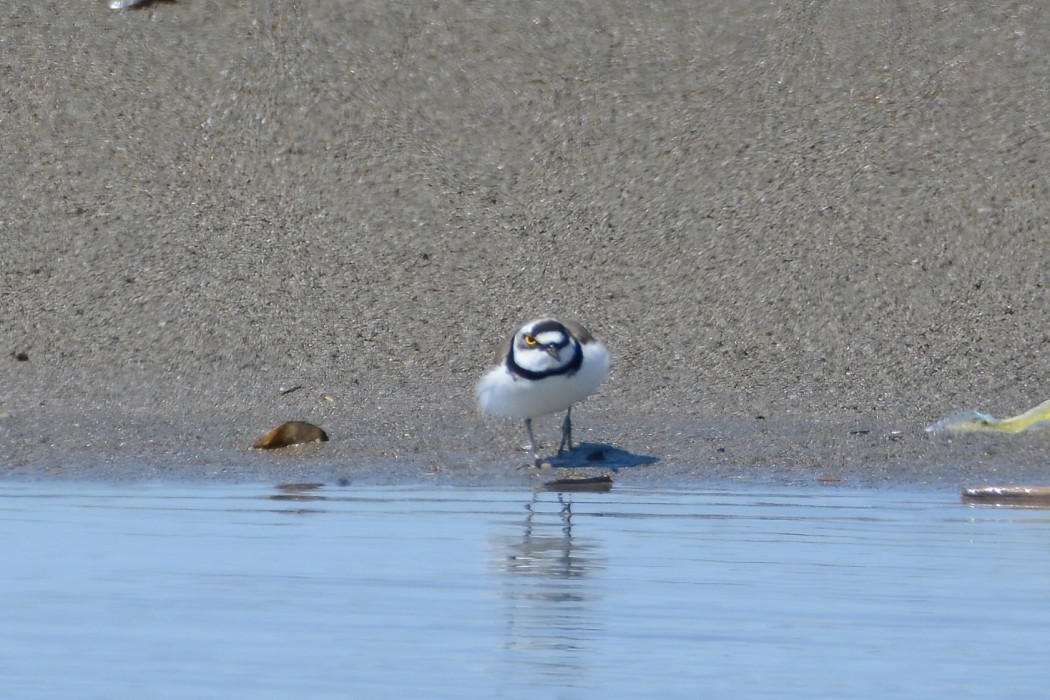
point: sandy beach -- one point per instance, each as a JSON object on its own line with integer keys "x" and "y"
{"x": 805, "y": 231}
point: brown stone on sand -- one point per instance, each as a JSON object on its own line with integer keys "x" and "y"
{"x": 293, "y": 432}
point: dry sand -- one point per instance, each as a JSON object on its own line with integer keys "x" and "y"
{"x": 806, "y": 230}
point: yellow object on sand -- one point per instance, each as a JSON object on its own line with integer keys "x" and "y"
{"x": 976, "y": 422}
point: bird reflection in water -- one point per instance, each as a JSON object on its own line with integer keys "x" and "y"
{"x": 546, "y": 580}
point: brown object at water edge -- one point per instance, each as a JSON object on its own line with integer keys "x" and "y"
{"x": 580, "y": 483}
{"x": 293, "y": 432}
{"x": 1021, "y": 496}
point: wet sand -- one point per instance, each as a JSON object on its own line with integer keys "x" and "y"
{"x": 805, "y": 231}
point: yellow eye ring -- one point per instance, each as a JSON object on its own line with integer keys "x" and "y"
{"x": 531, "y": 341}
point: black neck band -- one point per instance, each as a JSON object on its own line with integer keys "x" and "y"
{"x": 569, "y": 369}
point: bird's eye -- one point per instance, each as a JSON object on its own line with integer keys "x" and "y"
{"x": 531, "y": 341}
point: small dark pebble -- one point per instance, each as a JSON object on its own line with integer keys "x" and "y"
{"x": 20, "y": 356}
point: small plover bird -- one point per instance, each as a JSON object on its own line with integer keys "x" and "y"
{"x": 545, "y": 367}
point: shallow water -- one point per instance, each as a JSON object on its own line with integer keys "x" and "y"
{"x": 251, "y": 592}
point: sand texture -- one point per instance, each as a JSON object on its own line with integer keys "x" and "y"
{"x": 806, "y": 231}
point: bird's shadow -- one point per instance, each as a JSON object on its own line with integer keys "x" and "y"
{"x": 591, "y": 454}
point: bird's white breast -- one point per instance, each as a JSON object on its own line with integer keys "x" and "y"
{"x": 504, "y": 394}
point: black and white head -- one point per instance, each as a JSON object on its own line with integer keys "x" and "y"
{"x": 547, "y": 347}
